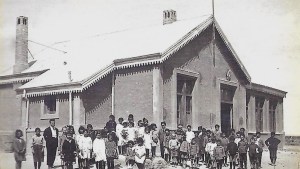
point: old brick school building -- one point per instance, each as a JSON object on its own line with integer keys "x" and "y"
{"x": 179, "y": 72}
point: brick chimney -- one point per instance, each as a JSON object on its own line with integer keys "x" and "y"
{"x": 21, "y": 55}
{"x": 169, "y": 16}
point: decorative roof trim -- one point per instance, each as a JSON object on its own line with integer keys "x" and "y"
{"x": 88, "y": 82}
{"x": 19, "y": 78}
{"x": 53, "y": 92}
{"x": 16, "y": 80}
{"x": 186, "y": 39}
{"x": 152, "y": 58}
{"x": 227, "y": 43}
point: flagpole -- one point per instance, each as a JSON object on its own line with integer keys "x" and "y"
{"x": 214, "y": 37}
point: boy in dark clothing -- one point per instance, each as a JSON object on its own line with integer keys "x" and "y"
{"x": 253, "y": 153}
{"x": 219, "y": 154}
{"x": 232, "y": 150}
{"x": 272, "y": 144}
{"x": 224, "y": 142}
{"x": 242, "y": 148}
{"x": 111, "y": 124}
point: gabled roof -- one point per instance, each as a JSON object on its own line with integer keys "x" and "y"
{"x": 234, "y": 54}
{"x": 88, "y": 60}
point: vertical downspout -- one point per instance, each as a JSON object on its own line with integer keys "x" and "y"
{"x": 26, "y": 114}
{"x": 113, "y": 93}
{"x": 70, "y": 101}
{"x": 70, "y": 109}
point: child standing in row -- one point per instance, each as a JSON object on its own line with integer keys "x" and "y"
{"x": 194, "y": 153}
{"x": 119, "y": 128}
{"x": 99, "y": 151}
{"x": 242, "y": 148}
{"x": 19, "y": 148}
{"x": 78, "y": 140}
{"x": 38, "y": 148}
{"x": 253, "y": 153}
{"x": 184, "y": 151}
{"x": 69, "y": 151}
{"x": 111, "y": 152}
{"x": 130, "y": 155}
{"x": 147, "y": 141}
{"x": 85, "y": 147}
{"x": 167, "y": 138}
{"x": 224, "y": 143}
{"x": 189, "y": 134}
{"x": 219, "y": 154}
{"x": 210, "y": 146}
{"x": 154, "y": 141}
{"x": 62, "y": 139}
{"x": 174, "y": 145}
{"x": 140, "y": 153}
{"x": 232, "y": 150}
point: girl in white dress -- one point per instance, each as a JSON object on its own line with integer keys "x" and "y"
{"x": 85, "y": 148}
{"x": 99, "y": 151}
{"x": 119, "y": 129}
{"x": 147, "y": 141}
{"x": 78, "y": 141}
{"x": 140, "y": 153}
{"x": 131, "y": 132}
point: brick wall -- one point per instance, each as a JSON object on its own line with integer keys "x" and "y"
{"x": 10, "y": 115}
{"x": 97, "y": 102}
{"x": 133, "y": 93}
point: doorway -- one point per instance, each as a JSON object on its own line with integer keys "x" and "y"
{"x": 185, "y": 87}
{"x": 227, "y": 94}
{"x": 226, "y": 117}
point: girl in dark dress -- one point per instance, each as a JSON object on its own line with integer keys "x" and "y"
{"x": 111, "y": 152}
{"x": 69, "y": 151}
{"x": 19, "y": 148}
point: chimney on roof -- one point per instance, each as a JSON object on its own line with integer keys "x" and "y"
{"x": 21, "y": 53}
{"x": 169, "y": 16}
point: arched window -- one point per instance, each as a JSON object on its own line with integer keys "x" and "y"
{"x": 24, "y": 21}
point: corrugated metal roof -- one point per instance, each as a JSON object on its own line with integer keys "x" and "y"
{"x": 86, "y": 57}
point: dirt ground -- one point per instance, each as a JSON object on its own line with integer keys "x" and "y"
{"x": 288, "y": 158}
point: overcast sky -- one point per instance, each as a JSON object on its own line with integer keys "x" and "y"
{"x": 264, "y": 33}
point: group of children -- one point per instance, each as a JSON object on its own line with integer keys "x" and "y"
{"x": 178, "y": 147}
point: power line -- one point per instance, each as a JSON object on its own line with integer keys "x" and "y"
{"x": 48, "y": 46}
{"x": 30, "y": 53}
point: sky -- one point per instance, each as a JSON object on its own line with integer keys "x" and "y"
{"x": 264, "y": 33}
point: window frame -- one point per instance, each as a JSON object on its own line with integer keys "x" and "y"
{"x": 259, "y": 111}
{"x": 272, "y": 115}
{"x": 44, "y": 114}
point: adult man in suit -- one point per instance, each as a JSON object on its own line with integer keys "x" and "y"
{"x": 51, "y": 137}
{"x": 161, "y": 135}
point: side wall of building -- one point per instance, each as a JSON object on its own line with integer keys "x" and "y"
{"x": 197, "y": 57}
{"x": 97, "y": 102}
{"x": 10, "y": 110}
{"x": 133, "y": 93}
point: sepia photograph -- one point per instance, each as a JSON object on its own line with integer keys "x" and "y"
{"x": 139, "y": 84}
